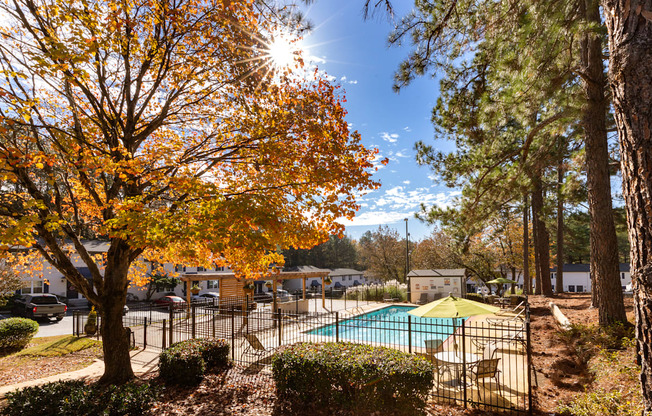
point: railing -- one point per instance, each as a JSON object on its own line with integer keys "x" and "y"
{"x": 478, "y": 363}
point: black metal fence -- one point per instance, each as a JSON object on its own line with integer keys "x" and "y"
{"x": 480, "y": 362}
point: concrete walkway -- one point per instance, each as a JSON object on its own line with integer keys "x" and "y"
{"x": 142, "y": 361}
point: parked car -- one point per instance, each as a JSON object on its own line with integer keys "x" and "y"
{"x": 175, "y": 301}
{"x": 40, "y": 306}
{"x": 208, "y": 297}
{"x": 281, "y": 296}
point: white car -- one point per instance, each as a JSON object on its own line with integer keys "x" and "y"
{"x": 208, "y": 297}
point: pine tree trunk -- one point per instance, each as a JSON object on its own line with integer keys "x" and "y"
{"x": 542, "y": 240}
{"x": 559, "y": 281}
{"x": 537, "y": 259}
{"x": 630, "y": 73}
{"x": 605, "y": 276}
{"x": 115, "y": 340}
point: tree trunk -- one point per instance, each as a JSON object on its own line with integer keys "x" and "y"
{"x": 542, "y": 242}
{"x": 115, "y": 339}
{"x": 605, "y": 276}
{"x": 527, "y": 282}
{"x": 630, "y": 73}
{"x": 537, "y": 259}
{"x": 559, "y": 281}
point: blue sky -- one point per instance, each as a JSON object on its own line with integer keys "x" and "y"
{"x": 356, "y": 54}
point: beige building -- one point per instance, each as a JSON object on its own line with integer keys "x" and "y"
{"x": 437, "y": 283}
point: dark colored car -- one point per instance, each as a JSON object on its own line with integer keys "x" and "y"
{"x": 208, "y": 297}
{"x": 175, "y": 301}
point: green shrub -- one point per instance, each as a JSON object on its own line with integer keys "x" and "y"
{"x": 214, "y": 351}
{"x": 185, "y": 362}
{"x": 74, "y": 397}
{"x": 475, "y": 296}
{"x": 15, "y": 333}
{"x": 355, "y": 376}
{"x": 601, "y": 403}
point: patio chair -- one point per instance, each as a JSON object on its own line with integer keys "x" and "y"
{"x": 484, "y": 369}
{"x": 515, "y": 310}
{"x": 507, "y": 319}
{"x": 433, "y": 346}
{"x": 388, "y": 298}
{"x": 423, "y": 299}
{"x": 255, "y": 348}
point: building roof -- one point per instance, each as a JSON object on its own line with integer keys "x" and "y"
{"x": 345, "y": 272}
{"x": 586, "y": 268}
{"x": 438, "y": 273}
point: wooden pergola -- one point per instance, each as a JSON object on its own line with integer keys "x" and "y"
{"x": 230, "y": 285}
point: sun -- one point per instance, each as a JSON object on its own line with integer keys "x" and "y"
{"x": 283, "y": 52}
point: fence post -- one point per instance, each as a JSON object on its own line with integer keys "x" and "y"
{"x": 409, "y": 334}
{"x": 171, "y": 329}
{"x": 194, "y": 321}
{"x": 280, "y": 329}
{"x": 337, "y": 327}
{"x": 213, "y": 317}
{"x": 528, "y": 348}
{"x": 232, "y": 334}
{"x": 345, "y": 297}
{"x": 144, "y": 332}
{"x": 164, "y": 334}
{"x": 464, "y": 360}
{"x": 74, "y": 323}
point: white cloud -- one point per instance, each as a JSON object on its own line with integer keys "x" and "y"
{"x": 391, "y": 138}
{"x": 407, "y": 128}
{"x": 317, "y": 59}
{"x": 345, "y": 80}
{"x": 375, "y": 218}
{"x": 406, "y": 182}
{"x": 401, "y": 154}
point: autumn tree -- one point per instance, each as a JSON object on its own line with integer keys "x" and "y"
{"x": 382, "y": 254}
{"x": 629, "y": 25}
{"x": 166, "y": 129}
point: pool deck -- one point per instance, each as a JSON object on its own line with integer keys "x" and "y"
{"x": 513, "y": 360}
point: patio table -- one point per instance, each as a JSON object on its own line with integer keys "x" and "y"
{"x": 455, "y": 362}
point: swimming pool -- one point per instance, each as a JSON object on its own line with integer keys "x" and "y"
{"x": 391, "y": 325}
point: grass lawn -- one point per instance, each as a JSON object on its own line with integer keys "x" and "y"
{"x": 48, "y": 356}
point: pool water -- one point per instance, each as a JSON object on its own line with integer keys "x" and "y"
{"x": 391, "y": 325}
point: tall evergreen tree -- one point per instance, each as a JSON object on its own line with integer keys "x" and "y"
{"x": 629, "y": 26}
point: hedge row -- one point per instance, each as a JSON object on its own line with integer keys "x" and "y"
{"x": 16, "y": 333}
{"x": 360, "y": 377}
{"x": 74, "y": 397}
{"x": 186, "y": 362}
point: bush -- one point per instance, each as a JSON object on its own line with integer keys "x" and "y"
{"x": 74, "y": 397}
{"x": 185, "y": 362}
{"x": 601, "y": 403}
{"x": 15, "y": 333}
{"x": 360, "y": 377}
{"x": 475, "y": 296}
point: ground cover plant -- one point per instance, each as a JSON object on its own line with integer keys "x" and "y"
{"x": 75, "y": 397}
{"x": 359, "y": 377}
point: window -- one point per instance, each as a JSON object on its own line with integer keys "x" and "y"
{"x": 179, "y": 268}
{"x": 32, "y": 286}
{"x": 552, "y": 275}
{"x": 622, "y": 275}
{"x": 580, "y": 288}
{"x": 571, "y": 288}
{"x": 553, "y": 288}
{"x": 623, "y": 287}
{"x": 212, "y": 284}
{"x": 200, "y": 269}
